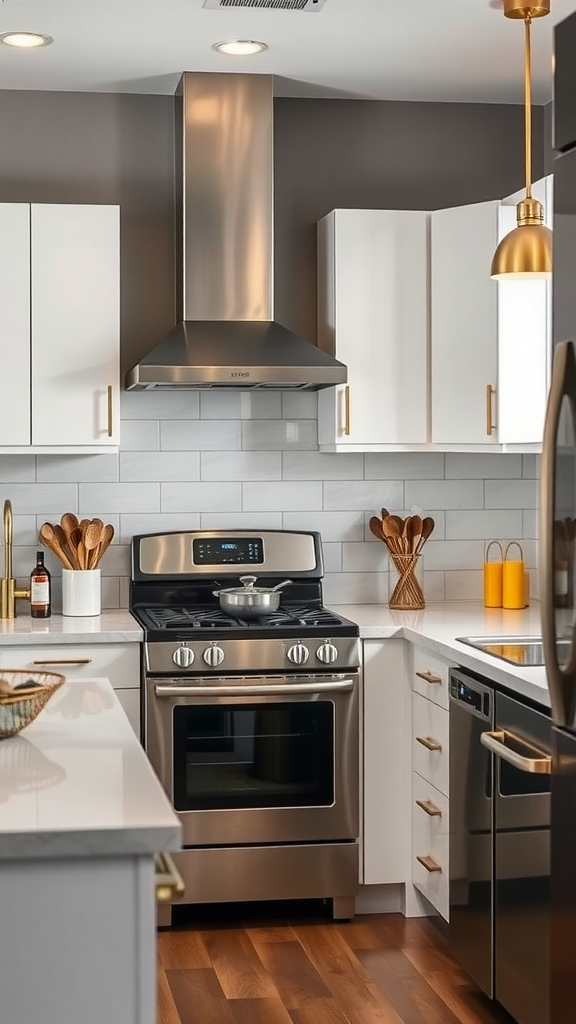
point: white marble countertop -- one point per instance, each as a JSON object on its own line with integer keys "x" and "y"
{"x": 437, "y": 626}
{"x": 116, "y": 626}
{"x": 77, "y": 783}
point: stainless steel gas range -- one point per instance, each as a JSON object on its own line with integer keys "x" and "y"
{"x": 251, "y": 725}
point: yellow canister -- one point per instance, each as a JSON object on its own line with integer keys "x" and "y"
{"x": 493, "y": 578}
{"x": 513, "y": 579}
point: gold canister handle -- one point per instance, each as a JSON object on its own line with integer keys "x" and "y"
{"x": 167, "y": 880}
{"x": 110, "y": 410}
{"x": 490, "y": 425}
{"x": 346, "y": 427}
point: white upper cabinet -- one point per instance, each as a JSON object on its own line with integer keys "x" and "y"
{"x": 490, "y": 341}
{"x": 60, "y": 269}
{"x": 373, "y": 316}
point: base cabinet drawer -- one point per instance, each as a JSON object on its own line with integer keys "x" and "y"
{"x": 120, "y": 663}
{"x": 430, "y": 843}
{"x": 430, "y": 677}
{"x": 430, "y": 744}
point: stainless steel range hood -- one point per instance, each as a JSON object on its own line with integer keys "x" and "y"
{"x": 227, "y": 336}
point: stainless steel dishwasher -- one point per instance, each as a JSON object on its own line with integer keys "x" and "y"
{"x": 500, "y": 764}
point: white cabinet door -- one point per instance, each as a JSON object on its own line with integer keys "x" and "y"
{"x": 372, "y": 315}
{"x": 464, "y": 323}
{"x": 15, "y": 324}
{"x": 75, "y": 325}
{"x": 387, "y": 782}
{"x": 524, "y": 338}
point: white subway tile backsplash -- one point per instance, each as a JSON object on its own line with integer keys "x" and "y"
{"x": 404, "y": 465}
{"x": 200, "y": 435}
{"x": 159, "y": 405}
{"x": 333, "y": 526}
{"x": 241, "y": 520}
{"x": 290, "y": 496}
{"x": 201, "y": 497}
{"x": 116, "y": 561}
{"x": 332, "y": 555}
{"x": 510, "y": 493}
{"x": 241, "y": 465}
{"x": 322, "y": 466}
{"x": 279, "y": 434}
{"x": 246, "y": 405}
{"x": 454, "y": 554}
{"x": 444, "y": 494}
{"x": 464, "y": 586}
{"x": 140, "y": 436}
{"x": 356, "y": 588}
{"x": 141, "y": 466}
{"x": 77, "y": 468}
{"x": 42, "y": 499}
{"x": 364, "y": 557}
{"x": 299, "y": 405}
{"x": 130, "y": 525}
{"x": 17, "y": 468}
{"x": 363, "y": 495}
{"x": 530, "y": 467}
{"x": 479, "y": 465}
{"x": 102, "y": 499}
{"x": 530, "y": 523}
{"x": 25, "y": 529}
{"x": 504, "y": 524}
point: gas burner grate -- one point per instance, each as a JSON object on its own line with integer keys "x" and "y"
{"x": 213, "y": 618}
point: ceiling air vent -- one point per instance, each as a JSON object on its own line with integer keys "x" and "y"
{"x": 270, "y": 5}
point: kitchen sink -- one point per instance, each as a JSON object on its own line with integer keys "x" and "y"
{"x": 519, "y": 650}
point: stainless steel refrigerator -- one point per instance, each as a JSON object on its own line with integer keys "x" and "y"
{"x": 557, "y": 531}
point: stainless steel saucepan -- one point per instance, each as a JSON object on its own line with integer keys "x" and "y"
{"x": 248, "y": 601}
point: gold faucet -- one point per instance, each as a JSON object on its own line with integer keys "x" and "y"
{"x": 8, "y": 590}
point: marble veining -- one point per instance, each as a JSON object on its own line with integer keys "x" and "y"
{"x": 115, "y": 626}
{"x": 77, "y": 783}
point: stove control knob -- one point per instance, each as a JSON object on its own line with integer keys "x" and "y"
{"x": 327, "y": 653}
{"x": 298, "y": 654}
{"x": 183, "y": 657}
{"x": 213, "y": 656}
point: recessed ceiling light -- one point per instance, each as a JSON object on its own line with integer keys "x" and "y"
{"x": 240, "y": 47}
{"x": 25, "y": 40}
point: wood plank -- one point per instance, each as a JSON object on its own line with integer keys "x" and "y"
{"x": 182, "y": 948}
{"x": 166, "y": 1007}
{"x": 199, "y": 998}
{"x": 349, "y": 982}
{"x": 260, "y": 1011}
{"x": 467, "y": 1002}
{"x": 296, "y": 980}
{"x": 413, "y": 999}
{"x": 321, "y": 1011}
{"x": 237, "y": 966}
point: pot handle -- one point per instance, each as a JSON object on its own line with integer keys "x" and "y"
{"x": 248, "y": 581}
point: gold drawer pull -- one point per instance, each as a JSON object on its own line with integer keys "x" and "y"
{"x": 429, "y": 743}
{"x": 62, "y": 661}
{"x": 429, "y": 808}
{"x": 346, "y": 428}
{"x": 168, "y": 880}
{"x": 110, "y": 429}
{"x": 430, "y": 864}
{"x": 490, "y": 425}
{"x": 430, "y": 677}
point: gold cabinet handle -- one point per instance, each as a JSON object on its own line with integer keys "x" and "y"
{"x": 429, "y": 743}
{"x": 430, "y": 864}
{"x": 168, "y": 880}
{"x": 429, "y": 677}
{"x": 62, "y": 661}
{"x": 490, "y": 425}
{"x": 429, "y": 808}
{"x": 346, "y": 427}
{"x": 109, "y": 410}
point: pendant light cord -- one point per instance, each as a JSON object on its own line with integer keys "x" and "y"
{"x": 528, "y": 106}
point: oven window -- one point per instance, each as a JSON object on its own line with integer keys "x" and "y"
{"x": 234, "y": 756}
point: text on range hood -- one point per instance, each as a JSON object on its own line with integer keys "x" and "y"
{"x": 226, "y": 335}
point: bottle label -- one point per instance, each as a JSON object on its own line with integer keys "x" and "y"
{"x": 40, "y": 591}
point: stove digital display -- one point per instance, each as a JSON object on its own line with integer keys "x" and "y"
{"x": 228, "y": 551}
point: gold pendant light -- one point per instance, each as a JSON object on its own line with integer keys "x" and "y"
{"x": 525, "y": 252}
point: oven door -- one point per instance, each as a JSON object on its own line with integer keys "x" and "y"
{"x": 262, "y": 760}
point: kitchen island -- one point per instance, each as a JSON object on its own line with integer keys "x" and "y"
{"x": 82, "y": 816}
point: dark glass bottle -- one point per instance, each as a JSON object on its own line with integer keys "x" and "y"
{"x": 40, "y": 589}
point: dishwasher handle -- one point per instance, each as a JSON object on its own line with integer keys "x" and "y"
{"x": 497, "y": 742}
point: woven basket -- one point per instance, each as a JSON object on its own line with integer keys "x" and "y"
{"x": 21, "y": 707}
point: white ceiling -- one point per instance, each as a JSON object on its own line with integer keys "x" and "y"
{"x": 459, "y": 50}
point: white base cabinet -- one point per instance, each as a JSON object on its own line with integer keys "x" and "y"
{"x": 60, "y": 328}
{"x": 372, "y": 315}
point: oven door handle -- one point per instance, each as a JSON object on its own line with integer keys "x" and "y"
{"x": 280, "y": 689}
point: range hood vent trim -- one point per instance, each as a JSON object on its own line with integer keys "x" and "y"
{"x": 226, "y": 335}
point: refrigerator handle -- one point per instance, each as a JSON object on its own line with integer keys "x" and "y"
{"x": 561, "y": 682}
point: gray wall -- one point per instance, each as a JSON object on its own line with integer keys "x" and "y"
{"x": 105, "y": 148}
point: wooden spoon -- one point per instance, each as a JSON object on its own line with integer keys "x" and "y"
{"x": 407, "y": 535}
{"x": 428, "y": 525}
{"x": 375, "y": 525}
{"x": 68, "y": 522}
{"x": 392, "y": 527}
{"x": 91, "y": 539}
{"x": 107, "y": 536}
{"x": 49, "y": 538}
{"x": 416, "y": 531}
{"x": 74, "y": 539}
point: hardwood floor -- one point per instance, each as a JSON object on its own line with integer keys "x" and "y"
{"x": 305, "y": 969}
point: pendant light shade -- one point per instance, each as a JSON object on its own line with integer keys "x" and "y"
{"x": 526, "y": 251}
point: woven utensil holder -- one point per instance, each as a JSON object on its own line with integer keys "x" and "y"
{"x": 407, "y": 593}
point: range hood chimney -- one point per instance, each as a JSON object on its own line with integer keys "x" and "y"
{"x": 227, "y": 335}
